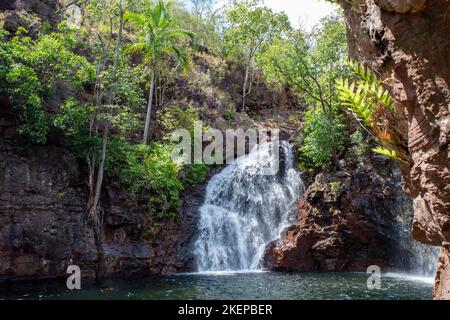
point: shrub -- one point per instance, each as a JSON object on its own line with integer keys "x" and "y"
{"x": 229, "y": 114}
{"x": 29, "y": 69}
{"x": 150, "y": 169}
{"x": 360, "y": 146}
{"x": 73, "y": 121}
{"x": 320, "y": 138}
{"x": 194, "y": 174}
{"x": 24, "y": 93}
{"x": 142, "y": 168}
{"x": 335, "y": 186}
{"x": 173, "y": 117}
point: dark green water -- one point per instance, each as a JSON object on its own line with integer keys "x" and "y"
{"x": 232, "y": 286}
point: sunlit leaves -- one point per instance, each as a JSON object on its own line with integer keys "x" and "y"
{"x": 387, "y": 153}
{"x": 251, "y": 27}
{"x": 30, "y": 68}
{"x": 372, "y": 105}
{"x": 160, "y": 35}
{"x": 321, "y": 137}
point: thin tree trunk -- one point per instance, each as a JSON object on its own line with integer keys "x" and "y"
{"x": 244, "y": 89}
{"x": 95, "y": 199}
{"x": 156, "y": 102}
{"x": 149, "y": 108}
{"x": 101, "y": 169}
{"x": 161, "y": 92}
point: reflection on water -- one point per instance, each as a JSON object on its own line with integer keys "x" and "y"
{"x": 232, "y": 285}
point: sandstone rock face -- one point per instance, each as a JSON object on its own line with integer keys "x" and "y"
{"x": 442, "y": 285}
{"x": 348, "y": 222}
{"x": 411, "y": 51}
{"x": 29, "y": 14}
{"x": 401, "y": 6}
{"x": 42, "y": 226}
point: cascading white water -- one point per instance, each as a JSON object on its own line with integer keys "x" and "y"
{"x": 245, "y": 208}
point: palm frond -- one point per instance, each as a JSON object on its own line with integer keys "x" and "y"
{"x": 137, "y": 47}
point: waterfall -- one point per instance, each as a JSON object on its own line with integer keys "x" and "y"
{"x": 245, "y": 208}
{"x": 421, "y": 259}
{"x": 425, "y": 258}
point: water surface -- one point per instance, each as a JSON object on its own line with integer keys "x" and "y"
{"x": 233, "y": 286}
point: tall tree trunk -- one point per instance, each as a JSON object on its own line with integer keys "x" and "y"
{"x": 95, "y": 193}
{"x": 244, "y": 89}
{"x": 149, "y": 108}
{"x": 95, "y": 198}
{"x": 156, "y": 104}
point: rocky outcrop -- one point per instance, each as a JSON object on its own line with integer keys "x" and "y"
{"x": 30, "y": 14}
{"x": 348, "y": 222}
{"x": 410, "y": 49}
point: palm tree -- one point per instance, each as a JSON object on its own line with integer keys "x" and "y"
{"x": 159, "y": 35}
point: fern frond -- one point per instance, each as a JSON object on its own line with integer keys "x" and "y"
{"x": 373, "y": 107}
{"x": 387, "y": 153}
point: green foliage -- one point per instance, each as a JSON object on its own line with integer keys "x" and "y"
{"x": 124, "y": 84}
{"x": 252, "y": 26}
{"x": 160, "y": 35}
{"x": 194, "y": 174}
{"x": 371, "y": 104}
{"x": 322, "y": 138}
{"x": 229, "y": 114}
{"x": 387, "y": 153}
{"x": 142, "y": 168}
{"x": 365, "y": 96}
{"x": 24, "y": 88}
{"x": 308, "y": 63}
{"x": 149, "y": 169}
{"x": 73, "y": 122}
{"x": 203, "y": 21}
{"x": 173, "y": 117}
{"x": 335, "y": 186}
{"x": 30, "y": 69}
{"x": 360, "y": 146}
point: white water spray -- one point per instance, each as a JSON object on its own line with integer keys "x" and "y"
{"x": 245, "y": 209}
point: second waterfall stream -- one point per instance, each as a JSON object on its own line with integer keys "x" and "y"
{"x": 245, "y": 208}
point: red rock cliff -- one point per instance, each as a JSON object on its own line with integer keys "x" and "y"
{"x": 408, "y": 42}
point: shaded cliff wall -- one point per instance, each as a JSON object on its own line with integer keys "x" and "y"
{"x": 408, "y": 43}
